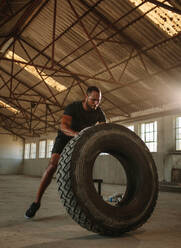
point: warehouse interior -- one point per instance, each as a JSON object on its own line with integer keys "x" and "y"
{"x": 50, "y": 52}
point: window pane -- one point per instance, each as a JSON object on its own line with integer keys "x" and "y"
{"x": 151, "y": 127}
{"x": 142, "y": 128}
{"x": 178, "y": 122}
{"x": 143, "y": 136}
{"x": 131, "y": 128}
{"x": 155, "y": 126}
{"x": 49, "y": 148}
{"x": 146, "y": 137}
{"x": 147, "y": 128}
{"x": 33, "y": 150}
{"x": 27, "y": 151}
{"x": 149, "y": 135}
{"x": 155, "y": 136}
{"x": 178, "y": 133}
{"x": 178, "y": 144}
{"x": 42, "y": 146}
{"x": 148, "y": 145}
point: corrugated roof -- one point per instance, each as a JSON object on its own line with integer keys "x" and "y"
{"x": 108, "y": 43}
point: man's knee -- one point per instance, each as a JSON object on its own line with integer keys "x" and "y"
{"x": 52, "y": 167}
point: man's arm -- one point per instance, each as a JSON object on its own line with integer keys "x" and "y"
{"x": 65, "y": 126}
{"x": 102, "y": 117}
{"x": 100, "y": 122}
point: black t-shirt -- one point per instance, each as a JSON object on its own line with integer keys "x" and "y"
{"x": 82, "y": 118}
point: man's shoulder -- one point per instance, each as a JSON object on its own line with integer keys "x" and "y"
{"x": 73, "y": 107}
{"x": 75, "y": 104}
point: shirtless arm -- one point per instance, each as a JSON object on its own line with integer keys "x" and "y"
{"x": 65, "y": 126}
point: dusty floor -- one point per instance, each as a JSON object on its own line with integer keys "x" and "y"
{"x": 53, "y": 228}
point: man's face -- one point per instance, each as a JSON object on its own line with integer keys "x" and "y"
{"x": 93, "y": 100}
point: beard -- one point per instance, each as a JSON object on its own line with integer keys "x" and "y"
{"x": 90, "y": 108}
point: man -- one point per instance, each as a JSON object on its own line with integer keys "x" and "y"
{"x": 76, "y": 117}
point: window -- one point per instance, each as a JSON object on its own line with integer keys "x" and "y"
{"x": 27, "y": 151}
{"x": 131, "y": 127}
{"x": 42, "y": 146}
{"x": 49, "y": 148}
{"x": 33, "y": 150}
{"x": 149, "y": 135}
{"x": 178, "y": 133}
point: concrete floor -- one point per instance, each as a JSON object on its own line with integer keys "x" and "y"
{"x": 53, "y": 228}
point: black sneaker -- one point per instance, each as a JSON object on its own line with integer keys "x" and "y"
{"x": 30, "y": 213}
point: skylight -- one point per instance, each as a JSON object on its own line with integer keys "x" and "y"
{"x": 31, "y": 69}
{"x": 7, "y": 106}
{"x": 167, "y": 20}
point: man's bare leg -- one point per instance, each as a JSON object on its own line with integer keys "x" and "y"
{"x": 45, "y": 181}
{"x": 47, "y": 176}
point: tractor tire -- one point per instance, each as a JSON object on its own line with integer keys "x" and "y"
{"x": 76, "y": 187}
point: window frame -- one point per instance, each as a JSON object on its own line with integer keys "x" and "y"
{"x": 150, "y": 137}
{"x": 40, "y": 149}
{"x": 49, "y": 148}
{"x": 131, "y": 127}
{"x": 177, "y": 139}
{"x": 33, "y": 153}
{"x": 27, "y": 151}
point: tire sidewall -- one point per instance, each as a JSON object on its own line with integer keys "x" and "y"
{"x": 138, "y": 164}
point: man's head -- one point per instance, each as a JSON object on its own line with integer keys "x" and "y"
{"x": 93, "y": 98}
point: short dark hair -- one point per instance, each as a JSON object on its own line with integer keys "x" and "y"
{"x": 92, "y": 88}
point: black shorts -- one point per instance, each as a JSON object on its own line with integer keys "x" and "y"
{"x": 60, "y": 143}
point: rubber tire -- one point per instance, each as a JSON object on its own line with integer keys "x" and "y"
{"x": 76, "y": 187}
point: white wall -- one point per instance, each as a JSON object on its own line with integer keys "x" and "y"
{"x": 35, "y": 167}
{"x": 11, "y": 154}
{"x": 109, "y": 169}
